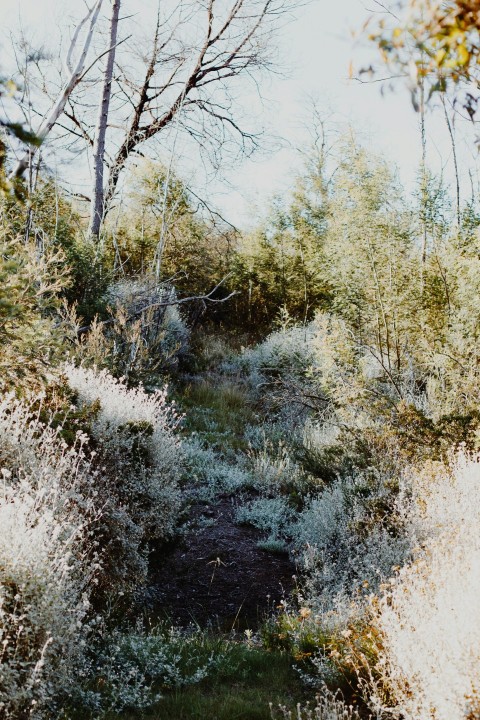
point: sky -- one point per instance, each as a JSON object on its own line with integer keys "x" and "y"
{"x": 316, "y": 48}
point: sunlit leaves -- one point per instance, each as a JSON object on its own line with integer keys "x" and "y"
{"x": 432, "y": 42}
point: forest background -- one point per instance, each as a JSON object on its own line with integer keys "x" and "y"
{"x": 312, "y": 376}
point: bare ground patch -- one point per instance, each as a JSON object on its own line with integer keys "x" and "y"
{"x": 217, "y": 575}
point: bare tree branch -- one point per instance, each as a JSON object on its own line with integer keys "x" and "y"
{"x": 75, "y": 76}
{"x": 237, "y": 45}
{"x": 167, "y": 303}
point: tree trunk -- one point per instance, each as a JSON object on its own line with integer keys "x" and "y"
{"x": 75, "y": 77}
{"x": 98, "y": 195}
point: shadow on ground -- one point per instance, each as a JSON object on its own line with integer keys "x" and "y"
{"x": 217, "y": 575}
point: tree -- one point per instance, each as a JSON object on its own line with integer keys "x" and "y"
{"x": 186, "y": 74}
{"x": 281, "y": 266}
{"x": 17, "y": 130}
{"x": 197, "y": 249}
{"x": 435, "y": 44}
{"x": 97, "y": 205}
{"x": 371, "y": 257}
{"x": 76, "y": 74}
{"x": 191, "y": 81}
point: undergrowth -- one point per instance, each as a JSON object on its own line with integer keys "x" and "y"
{"x": 217, "y": 412}
{"x": 191, "y": 675}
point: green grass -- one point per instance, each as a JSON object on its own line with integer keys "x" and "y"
{"x": 242, "y": 678}
{"x": 218, "y": 413}
{"x": 241, "y": 689}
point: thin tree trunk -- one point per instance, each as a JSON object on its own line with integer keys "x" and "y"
{"x": 76, "y": 75}
{"x": 455, "y": 162}
{"x": 98, "y": 194}
{"x": 424, "y": 188}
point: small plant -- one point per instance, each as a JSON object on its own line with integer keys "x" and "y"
{"x": 328, "y": 706}
{"x": 272, "y": 545}
{"x": 275, "y": 471}
{"x": 272, "y": 515}
{"x": 208, "y": 475}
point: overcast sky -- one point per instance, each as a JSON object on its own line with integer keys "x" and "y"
{"x": 316, "y": 48}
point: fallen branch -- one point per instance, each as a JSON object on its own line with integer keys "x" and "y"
{"x": 166, "y": 303}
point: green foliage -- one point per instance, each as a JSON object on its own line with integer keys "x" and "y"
{"x": 15, "y": 129}
{"x": 281, "y": 265}
{"x": 195, "y": 252}
{"x": 372, "y": 368}
{"x": 217, "y": 414}
{"x": 207, "y": 676}
{"x": 322, "y": 646}
{"x": 29, "y": 285}
{"x": 372, "y": 259}
{"x": 51, "y": 219}
{"x": 421, "y": 435}
{"x": 436, "y": 42}
{"x": 403, "y": 323}
{"x": 143, "y": 335}
{"x": 349, "y": 245}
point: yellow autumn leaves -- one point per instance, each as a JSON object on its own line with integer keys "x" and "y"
{"x": 439, "y": 39}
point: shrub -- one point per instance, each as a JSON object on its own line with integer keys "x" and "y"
{"x": 130, "y": 670}
{"x": 28, "y": 287}
{"x": 272, "y": 515}
{"x": 56, "y": 227}
{"x": 429, "y": 619}
{"x": 275, "y": 471}
{"x": 143, "y": 336}
{"x": 47, "y": 561}
{"x": 210, "y": 352}
{"x": 277, "y": 371}
{"x": 140, "y": 461}
{"x": 288, "y": 348}
{"x": 343, "y": 548}
{"x": 148, "y": 333}
{"x": 209, "y": 475}
{"x": 321, "y": 449}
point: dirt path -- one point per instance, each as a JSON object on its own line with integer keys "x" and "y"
{"x": 217, "y": 575}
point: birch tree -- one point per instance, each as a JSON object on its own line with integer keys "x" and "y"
{"x": 97, "y": 205}
{"x": 186, "y": 73}
{"x": 76, "y": 72}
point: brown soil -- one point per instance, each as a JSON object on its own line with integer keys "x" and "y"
{"x": 217, "y": 575}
